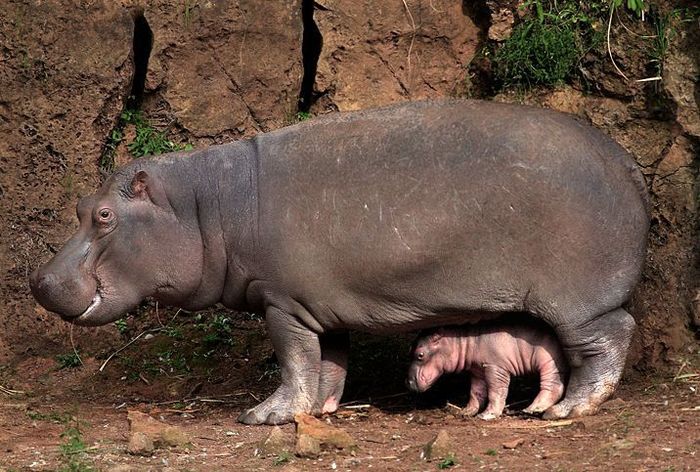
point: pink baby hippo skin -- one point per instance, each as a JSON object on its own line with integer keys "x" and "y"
{"x": 492, "y": 353}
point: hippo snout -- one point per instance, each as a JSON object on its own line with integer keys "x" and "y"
{"x": 68, "y": 297}
{"x": 411, "y": 385}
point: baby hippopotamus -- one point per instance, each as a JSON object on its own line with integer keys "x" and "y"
{"x": 492, "y": 353}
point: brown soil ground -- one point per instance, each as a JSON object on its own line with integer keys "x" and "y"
{"x": 189, "y": 373}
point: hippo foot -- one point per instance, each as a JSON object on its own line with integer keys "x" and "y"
{"x": 596, "y": 364}
{"x": 277, "y": 409}
{"x": 574, "y": 409}
{"x": 469, "y": 411}
{"x": 487, "y": 416}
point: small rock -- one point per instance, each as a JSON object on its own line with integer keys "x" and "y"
{"x": 159, "y": 433}
{"x": 307, "y": 447}
{"x": 439, "y": 447}
{"x": 274, "y": 444}
{"x": 325, "y": 434}
{"x": 513, "y": 444}
{"x": 140, "y": 444}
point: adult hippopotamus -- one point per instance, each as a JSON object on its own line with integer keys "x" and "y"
{"x": 396, "y": 219}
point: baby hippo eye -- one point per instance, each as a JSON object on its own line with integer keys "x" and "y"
{"x": 420, "y": 355}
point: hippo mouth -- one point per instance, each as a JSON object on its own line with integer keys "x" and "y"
{"x": 96, "y": 301}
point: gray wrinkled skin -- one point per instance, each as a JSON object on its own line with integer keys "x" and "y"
{"x": 402, "y": 218}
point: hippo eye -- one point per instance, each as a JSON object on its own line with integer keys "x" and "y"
{"x": 420, "y": 355}
{"x": 105, "y": 215}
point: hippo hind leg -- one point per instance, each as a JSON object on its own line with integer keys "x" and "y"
{"x": 596, "y": 351}
{"x": 334, "y": 362}
{"x": 551, "y": 389}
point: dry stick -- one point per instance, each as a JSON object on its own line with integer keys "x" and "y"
{"x": 413, "y": 36}
{"x": 612, "y": 59}
{"x": 643, "y": 36}
{"x": 125, "y": 346}
{"x": 75, "y": 351}
{"x": 9, "y": 391}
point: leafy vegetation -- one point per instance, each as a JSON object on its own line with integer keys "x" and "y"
{"x": 68, "y": 361}
{"x": 447, "y": 462}
{"x": 147, "y": 141}
{"x": 282, "y": 458}
{"x": 73, "y": 449}
{"x": 545, "y": 48}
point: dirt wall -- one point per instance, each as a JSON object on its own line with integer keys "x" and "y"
{"x": 219, "y": 71}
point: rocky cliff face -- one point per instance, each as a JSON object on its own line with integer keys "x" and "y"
{"x": 208, "y": 72}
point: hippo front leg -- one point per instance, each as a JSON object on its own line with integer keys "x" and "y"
{"x": 299, "y": 354}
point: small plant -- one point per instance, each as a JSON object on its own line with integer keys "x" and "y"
{"x": 72, "y": 450}
{"x": 121, "y": 325}
{"x": 302, "y": 116}
{"x": 68, "y": 361}
{"x": 636, "y": 6}
{"x": 148, "y": 141}
{"x": 282, "y": 458}
{"x": 447, "y": 462}
{"x": 73, "y": 441}
{"x": 491, "y": 452}
{"x": 60, "y": 418}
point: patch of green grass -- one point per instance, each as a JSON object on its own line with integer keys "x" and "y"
{"x": 545, "y": 48}
{"x": 282, "y": 458}
{"x": 149, "y": 141}
{"x": 53, "y": 417}
{"x": 302, "y": 116}
{"x": 491, "y": 452}
{"x": 68, "y": 361}
{"x": 72, "y": 450}
{"x": 447, "y": 462}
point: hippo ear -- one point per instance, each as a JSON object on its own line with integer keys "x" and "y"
{"x": 435, "y": 337}
{"x": 146, "y": 186}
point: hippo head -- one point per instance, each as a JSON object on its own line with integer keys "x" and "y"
{"x": 131, "y": 244}
{"x": 428, "y": 361}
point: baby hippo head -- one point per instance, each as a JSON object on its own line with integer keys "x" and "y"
{"x": 427, "y": 361}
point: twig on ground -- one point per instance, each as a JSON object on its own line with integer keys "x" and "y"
{"x": 10, "y": 392}
{"x": 612, "y": 59}
{"x": 413, "y": 37}
{"x": 104, "y": 364}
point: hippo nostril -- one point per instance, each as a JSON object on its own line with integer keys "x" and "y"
{"x": 411, "y": 384}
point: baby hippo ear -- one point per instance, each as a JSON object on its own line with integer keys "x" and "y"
{"x": 146, "y": 186}
{"x": 435, "y": 337}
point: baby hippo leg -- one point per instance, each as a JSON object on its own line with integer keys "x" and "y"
{"x": 497, "y": 381}
{"x": 477, "y": 394}
{"x": 551, "y": 388}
